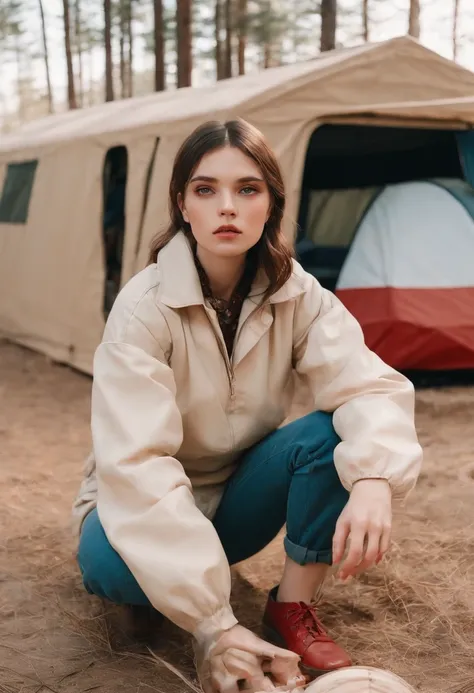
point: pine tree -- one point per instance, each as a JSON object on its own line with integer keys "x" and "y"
{"x": 242, "y": 21}
{"x": 159, "y": 45}
{"x": 46, "y": 57}
{"x": 267, "y": 25}
{"x": 455, "y": 38}
{"x": 71, "y": 92}
{"x": 365, "y": 20}
{"x": 109, "y": 85}
{"x": 184, "y": 42}
{"x": 328, "y": 24}
{"x": 414, "y": 19}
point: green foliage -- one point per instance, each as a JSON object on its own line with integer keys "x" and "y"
{"x": 11, "y": 22}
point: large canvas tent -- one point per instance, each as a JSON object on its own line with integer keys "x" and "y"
{"x": 52, "y": 171}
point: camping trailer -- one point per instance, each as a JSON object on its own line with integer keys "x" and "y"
{"x": 360, "y": 118}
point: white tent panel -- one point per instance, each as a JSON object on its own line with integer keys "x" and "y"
{"x": 415, "y": 235}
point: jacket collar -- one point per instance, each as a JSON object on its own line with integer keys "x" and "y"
{"x": 179, "y": 280}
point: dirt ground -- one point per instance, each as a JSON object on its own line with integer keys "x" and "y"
{"x": 413, "y": 615}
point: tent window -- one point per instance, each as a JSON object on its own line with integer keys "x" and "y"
{"x": 113, "y": 223}
{"x": 16, "y": 193}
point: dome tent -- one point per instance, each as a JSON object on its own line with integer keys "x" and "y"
{"x": 407, "y": 270}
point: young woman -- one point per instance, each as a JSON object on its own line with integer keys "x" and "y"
{"x": 205, "y": 353}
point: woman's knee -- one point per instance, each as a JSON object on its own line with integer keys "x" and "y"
{"x": 315, "y": 439}
{"x": 320, "y": 424}
{"x": 96, "y": 557}
{"x": 104, "y": 572}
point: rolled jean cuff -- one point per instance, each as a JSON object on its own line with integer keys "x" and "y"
{"x": 302, "y": 555}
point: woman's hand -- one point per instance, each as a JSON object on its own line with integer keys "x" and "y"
{"x": 239, "y": 660}
{"x": 366, "y": 521}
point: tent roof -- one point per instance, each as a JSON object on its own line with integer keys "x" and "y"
{"x": 395, "y": 66}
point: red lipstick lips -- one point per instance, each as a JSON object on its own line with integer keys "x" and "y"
{"x": 228, "y": 229}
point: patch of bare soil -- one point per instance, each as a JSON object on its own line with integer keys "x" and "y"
{"x": 413, "y": 615}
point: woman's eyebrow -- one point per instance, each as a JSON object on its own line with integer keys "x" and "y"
{"x": 245, "y": 179}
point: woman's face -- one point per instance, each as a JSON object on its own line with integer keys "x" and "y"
{"x": 226, "y": 202}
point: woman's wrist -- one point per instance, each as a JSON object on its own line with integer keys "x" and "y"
{"x": 210, "y": 630}
{"x": 378, "y": 480}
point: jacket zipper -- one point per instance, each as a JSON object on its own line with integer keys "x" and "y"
{"x": 228, "y": 365}
{"x": 223, "y": 350}
{"x": 240, "y": 328}
{"x": 230, "y": 373}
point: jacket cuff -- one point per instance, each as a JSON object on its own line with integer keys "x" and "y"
{"x": 399, "y": 492}
{"x": 213, "y": 627}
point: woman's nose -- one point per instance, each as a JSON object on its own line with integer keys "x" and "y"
{"x": 227, "y": 204}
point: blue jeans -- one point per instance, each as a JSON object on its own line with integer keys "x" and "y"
{"x": 289, "y": 477}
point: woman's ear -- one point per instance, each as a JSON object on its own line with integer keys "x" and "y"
{"x": 182, "y": 208}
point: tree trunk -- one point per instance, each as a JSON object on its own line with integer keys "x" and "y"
{"x": 267, "y": 55}
{"x": 122, "y": 30}
{"x": 184, "y": 42}
{"x": 220, "y": 71}
{"x": 130, "y": 47}
{"x": 455, "y": 29}
{"x": 90, "y": 61}
{"x": 365, "y": 20}
{"x": 242, "y": 23}
{"x": 109, "y": 84}
{"x": 328, "y": 24}
{"x": 78, "y": 29}
{"x": 19, "y": 78}
{"x": 46, "y": 59}
{"x": 71, "y": 93}
{"x": 228, "y": 38}
{"x": 414, "y": 19}
{"x": 159, "y": 46}
{"x": 4, "y": 111}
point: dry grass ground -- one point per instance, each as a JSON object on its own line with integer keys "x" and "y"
{"x": 413, "y": 615}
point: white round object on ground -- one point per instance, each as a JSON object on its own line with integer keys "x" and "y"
{"x": 359, "y": 680}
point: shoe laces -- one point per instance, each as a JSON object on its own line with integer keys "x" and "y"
{"x": 304, "y": 616}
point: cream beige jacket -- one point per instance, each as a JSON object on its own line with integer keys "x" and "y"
{"x": 172, "y": 415}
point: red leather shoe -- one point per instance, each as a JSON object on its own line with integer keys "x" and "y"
{"x": 296, "y": 627}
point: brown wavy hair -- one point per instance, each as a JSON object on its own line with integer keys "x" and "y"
{"x": 274, "y": 252}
